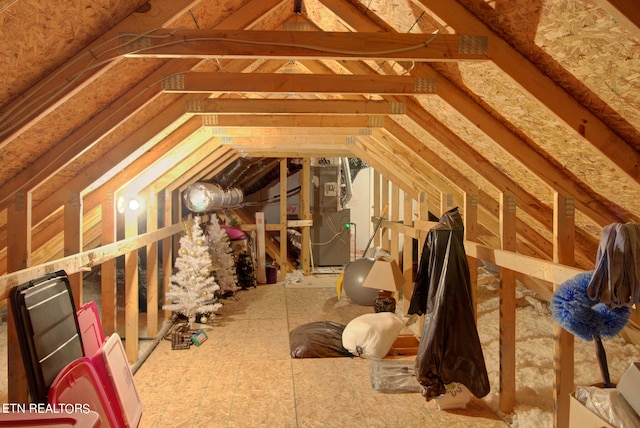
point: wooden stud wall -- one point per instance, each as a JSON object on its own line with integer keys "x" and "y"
{"x": 563, "y": 344}
{"x": 507, "y": 307}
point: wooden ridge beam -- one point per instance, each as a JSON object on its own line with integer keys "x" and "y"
{"x": 285, "y": 83}
{"x": 187, "y": 43}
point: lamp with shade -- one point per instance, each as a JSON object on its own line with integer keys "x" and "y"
{"x": 385, "y": 275}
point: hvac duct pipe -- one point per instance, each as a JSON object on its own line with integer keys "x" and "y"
{"x": 204, "y": 197}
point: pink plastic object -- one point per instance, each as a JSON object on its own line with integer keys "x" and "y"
{"x": 78, "y": 383}
{"x": 90, "y": 328}
{"x": 113, "y": 370}
{"x": 234, "y": 232}
{"x": 50, "y": 420}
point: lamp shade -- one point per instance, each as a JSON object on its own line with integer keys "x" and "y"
{"x": 384, "y": 275}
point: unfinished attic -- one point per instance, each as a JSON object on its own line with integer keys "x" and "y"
{"x": 361, "y": 123}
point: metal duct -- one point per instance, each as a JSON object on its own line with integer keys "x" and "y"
{"x": 347, "y": 181}
{"x": 204, "y": 197}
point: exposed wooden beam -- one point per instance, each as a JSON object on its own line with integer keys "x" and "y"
{"x": 149, "y": 131}
{"x": 221, "y": 106}
{"x": 624, "y": 11}
{"x": 230, "y": 133}
{"x": 296, "y": 121}
{"x": 274, "y": 141}
{"x": 82, "y": 69}
{"x": 187, "y": 43}
{"x": 285, "y": 83}
{"x": 138, "y": 97}
{"x": 560, "y": 103}
{"x": 368, "y": 155}
{"x": 530, "y": 157}
{"x": 219, "y": 159}
{"x": 294, "y": 151}
{"x": 174, "y": 162}
{"x": 354, "y": 17}
{"x": 402, "y": 145}
{"x": 70, "y": 148}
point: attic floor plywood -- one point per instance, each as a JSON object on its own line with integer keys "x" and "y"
{"x": 243, "y": 374}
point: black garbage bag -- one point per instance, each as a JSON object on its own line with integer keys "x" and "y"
{"x": 318, "y": 339}
{"x": 449, "y": 349}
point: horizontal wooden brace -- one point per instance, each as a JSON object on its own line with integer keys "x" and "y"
{"x": 282, "y": 83}
{"x": 289, "y": 45}
{"x": 289, "y": 106}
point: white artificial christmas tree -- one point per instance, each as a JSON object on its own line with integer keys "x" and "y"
{"x": 192, "y": 290}
{"x": 222, "y": 257}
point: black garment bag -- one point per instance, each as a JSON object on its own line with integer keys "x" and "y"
{"x": 449, "y": 349}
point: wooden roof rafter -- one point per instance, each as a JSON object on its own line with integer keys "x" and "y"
{"x": 555, "y": 177}
{"x": 139, "y": 96}
{"x": 77, "y": 72}
{"x": 554, "y": 98}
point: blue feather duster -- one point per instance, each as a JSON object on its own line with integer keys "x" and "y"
{"x": 572, "y": 308}
{"x": 590, "y": 320}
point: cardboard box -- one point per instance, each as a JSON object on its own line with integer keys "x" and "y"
{"x": 629, "y": 386}
{"x": 581, "y": 417}
{"x": 405, "y": 344}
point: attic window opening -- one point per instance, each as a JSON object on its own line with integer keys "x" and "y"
{"x": 297, "y": 7}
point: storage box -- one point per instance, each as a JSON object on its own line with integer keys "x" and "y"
{"x": 47, "y": 329}
{"x": 629, "y": 386}
{"x": 113, "y": 370}
{"x": 581, "y": 417}
{"x": 405, "y": 344}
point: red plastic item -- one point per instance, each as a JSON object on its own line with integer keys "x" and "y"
{"x": 90, "y": 328}
{"x": 115, "y": 374}
{"x": 234, "y": 232}
{"x": 79, "y": 383}
{"x": 50, "y": 420}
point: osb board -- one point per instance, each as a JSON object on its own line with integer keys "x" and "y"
{"x": 38, "y": 36}
{"x": 100, "y": 151}
{"x": 502, "y": 160}
{"x": 582, "y": 47}
{"x": 325, "y": 19}
{"x": 61, "y": 122}
{"x": 573, "y": 152}
{"x": 211, "y": 14}
{"x": 445, "y": 154}
{"x": 402, "y": 15}
{"x": 398, "y": 15}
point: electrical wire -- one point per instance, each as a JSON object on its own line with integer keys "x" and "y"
{"x": 96, "y": 63}
{"x": 288, "y": 45}
{"x": 319, "y": 244}
{"x": 33, "y": 98}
